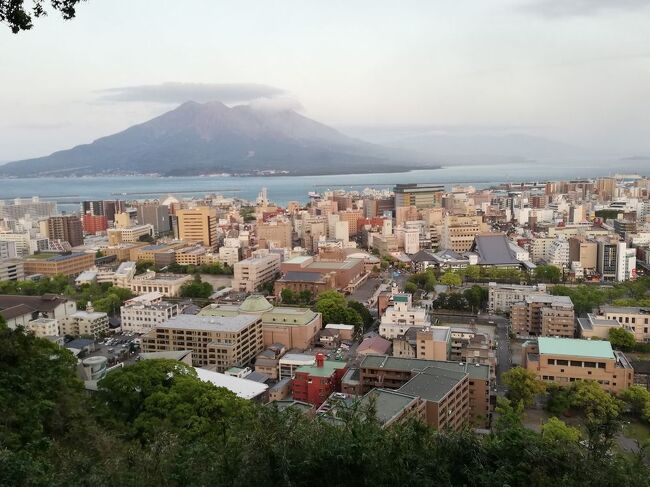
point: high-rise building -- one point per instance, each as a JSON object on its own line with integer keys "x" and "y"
{"x": 420, "y": 195}
{"x": 198, "y": 225}
{"x": 67, "y": 228}
{"x": 153, "y": 213}
{"x": 543, "y": 315}
{"x": 278, "y": 232}
{"x": 107, "y": 208}
{"x": 93, "y": 224}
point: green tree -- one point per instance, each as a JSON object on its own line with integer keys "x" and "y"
{"x": 39, "y": 390}
{"x": 18, "y": 17}
{"x": 360, "y": 308}
{"x": 197, "y": 289}
{"x": 334, "y": 308}
{"x": 522, "y": 385}
{"x": 638, "y": 398}
{"x": 287, "y": 296}
{"x": 451, "y": 279}
{"x": 476, "y": 296}
{"x": 558, "y": 432}
{"x": 410, "y": 287}
{"x": 547, "y": 273}
{"x": 621, "y": 339}
{"x": 602, "y": 411}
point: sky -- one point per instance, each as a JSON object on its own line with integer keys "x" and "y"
{"x": 577, "y": 71}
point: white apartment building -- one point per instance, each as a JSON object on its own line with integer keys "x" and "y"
{"x": 502, "y": 296}
{"x": 142, "y": 313}
{"x": 557, "y": 253}
{"x": 229, "y": 255}
{"x": 251, "y": 273}
{"x": 401, "y": 316}
{"x": 85, "y": 323}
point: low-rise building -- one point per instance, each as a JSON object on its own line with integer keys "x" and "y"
{"x": 633, "y": 318}
{"x": 598, "y": 327}
{"x": 168, "y": 285}
{"x": 314, "y": 383}
{"x": 565, "y": 360}
{"x": 48, "y": 264}
{"x": 292, "y": 327}
{"x": 20, "y": 310}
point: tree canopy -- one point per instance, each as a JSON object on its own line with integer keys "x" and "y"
{"x": 156, "y": 424}
{"x": 621, "y": 339}
{"x": 18, "y": 17}
{"x": 522, "y": 385}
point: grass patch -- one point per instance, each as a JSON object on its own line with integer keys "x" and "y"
{"x": 637, "y": 431}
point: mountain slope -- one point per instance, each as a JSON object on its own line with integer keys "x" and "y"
{"x": 210, "y": 138}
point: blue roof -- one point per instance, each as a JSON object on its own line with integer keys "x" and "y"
{"x": 575, "y": 347}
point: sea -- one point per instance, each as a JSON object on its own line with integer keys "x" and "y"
{"x": 68, "y": 192}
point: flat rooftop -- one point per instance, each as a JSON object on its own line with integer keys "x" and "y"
{"x": 575, "y": 347}
{"x": 433, "y": 383}
{"x": 328, "y": 368}
{"x": 210, "y": 323}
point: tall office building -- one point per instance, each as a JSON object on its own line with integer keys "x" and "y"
{"x": 152, "y": 213}
{"x": 67, "y": 228}
{"x": 107, "y": 208}
{"x": 198, "y": 225}
{"x": 421, "y": 195}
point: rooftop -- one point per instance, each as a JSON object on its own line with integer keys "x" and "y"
{"x": 210, "y": 323}
{"x": 475, "y": 371}
{"x": 302, "y": 276}
{"x": 328, "y": 368}
{"x": 433, "y": 383}
{"x": 388, "y": 403}
{"x": 243, "y": 388}
{"x": 494, "y": 249}
{"x": 575, "y": 347}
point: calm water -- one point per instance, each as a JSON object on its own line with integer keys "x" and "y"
{"x": 282, "y": 189}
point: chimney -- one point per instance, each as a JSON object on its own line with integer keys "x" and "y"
{"x": 320, "y": 359}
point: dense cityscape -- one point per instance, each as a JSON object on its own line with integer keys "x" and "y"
{"x": 324, "y": 244}
{"x": 523, "y": 307}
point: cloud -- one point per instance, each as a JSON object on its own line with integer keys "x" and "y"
{"x": 39, "y": 126}
{"x": 580, "y": 8}
{"x": 174, "y": 92}
{"x": 279, "y": 104}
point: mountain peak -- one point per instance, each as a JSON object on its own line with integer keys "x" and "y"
{"x": 199, "y": 138}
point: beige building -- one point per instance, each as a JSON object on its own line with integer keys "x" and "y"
{"x": 251, "y": 273}
{"x": 543, "y": 315}
{"x": 458, "y": 232}
{"x": 565, "y": 360}
{"x": 597, "y": 327}
{"x": 583, "y": 251}
{"x": 216, "y": 342}
{"x": 168, "y": 285}
{"x": 292, "y": 327}
{"x": 198, "y": 225}
{"x": 44, "y": 327}
{"x": 278, "y": 233}
{"x": 131, "y": 234}
{"x": 501, "y": 297}
{"x": 53, "y": 264}
{"x": 633, "y": 319}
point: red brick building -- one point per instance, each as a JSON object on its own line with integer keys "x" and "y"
{"x": 315, "y": 383}
{"x": 93, "y": 224}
